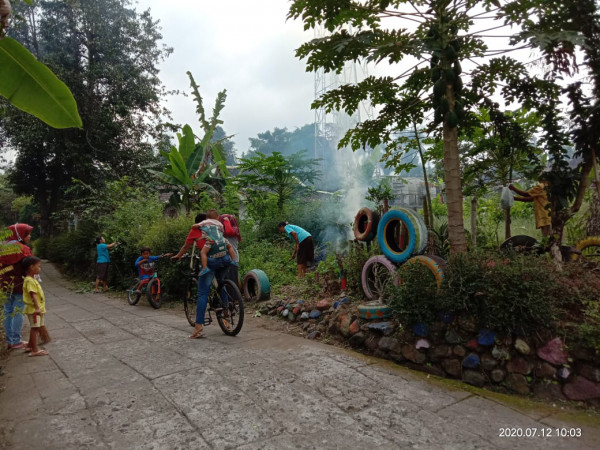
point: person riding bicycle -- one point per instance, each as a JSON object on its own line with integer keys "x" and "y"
{"x": 145, "y": 267}
{"x": 219, "y": 256}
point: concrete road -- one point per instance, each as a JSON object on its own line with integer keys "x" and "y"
{"x": 128, "y": 377}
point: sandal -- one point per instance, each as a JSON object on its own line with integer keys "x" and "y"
{"x": 198, "y": 333}
{"x": 17, "y": 346}
{"x": 39, "y": 353}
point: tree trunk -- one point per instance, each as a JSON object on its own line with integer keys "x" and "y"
{"x": 452, "y": 179}
{"x": 558, "y": 227}
{"x": 426, "y": 212}
{"x": 474, "y": 221}
{"x": 429, "y": 218}
{"x": 45, "y": 224}
{"x": 507, "y": 223}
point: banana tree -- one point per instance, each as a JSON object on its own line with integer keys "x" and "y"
{"x": 196, "y": 166}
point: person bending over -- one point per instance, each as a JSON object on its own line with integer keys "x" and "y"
{"x": 304, "y": 251}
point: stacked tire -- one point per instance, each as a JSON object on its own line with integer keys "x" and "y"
{"x": 365, "y": 225}
{"x": 402, "y": 237}
{"x": 401, "y": 233}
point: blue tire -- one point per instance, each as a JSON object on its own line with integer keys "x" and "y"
{"x": 387, "y": 236}
{"x": 256, "y": 286}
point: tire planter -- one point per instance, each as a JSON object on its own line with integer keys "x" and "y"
{"x": 256, "y": 286}
{"x": 371, "y": 312}
{"x": 519, "y": 243}
{"x": 377, "y": 271}
{"x": 395, "y": 227}
{"x": 365, "y": 225}
{"x": 435, "y": 264}
{"x": 589, "y": 248}
{"x": 420, "y": 228}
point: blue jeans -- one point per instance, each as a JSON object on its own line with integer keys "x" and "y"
{"x": 217, "y": 266}
{"x": 13, "y": 318}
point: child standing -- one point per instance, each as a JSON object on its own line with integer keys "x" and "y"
{"x": 35, "y": 302}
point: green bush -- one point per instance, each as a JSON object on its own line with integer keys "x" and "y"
{"x": 272, "y": 257}
{"x": 416, "y": 299}
{"x": 164, "y": 235}
{"x": 358, "y": 254}
{"x": 75, "y": 250}
{"x": 503, "y": 292}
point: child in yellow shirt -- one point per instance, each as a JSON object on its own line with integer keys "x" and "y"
{"x": 35, "y": 302}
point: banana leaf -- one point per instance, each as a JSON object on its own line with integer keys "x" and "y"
{"x": 32, "y": 87}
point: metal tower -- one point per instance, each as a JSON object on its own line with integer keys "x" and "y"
{"x": 332, "y": 126}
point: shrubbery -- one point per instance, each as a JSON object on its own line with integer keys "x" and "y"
{"x": 272, "y": 257}
{"x": 502, "y": 292}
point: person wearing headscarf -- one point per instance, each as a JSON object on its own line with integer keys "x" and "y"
{"x": 232, "y": 234}
{"x": 11, "y": 282}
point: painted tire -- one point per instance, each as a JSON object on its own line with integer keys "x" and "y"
{"x": 371, "y": 312}
{"x": 589, "y": 248}
{"x": 365, "y": 225}
{"x": 420, "y": 228}
{"x": 435, "y": 264}
{"x": 386, "y": 236}
{"x": 520, "y": 242}
{"x": 372, "y": 272}
{"x": 256, "y": 286}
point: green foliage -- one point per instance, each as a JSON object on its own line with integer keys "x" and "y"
{"x": 439, "y": 236}
{"x": 274, "y": 176}
{"x": 504, "y": 293}
{"x": 380, "y": 193}
{"x": 416, "y": 299}
{"x": 115, "y": 83}
{"x": 231, "y": 201}
{"x": 75, "y": 250}
{"x": 196, "y": 167}
{"x": 439, "y": 209}
{"x": 130, "y": 220}
{"x": 357, "y": 256}
{"x": 271, "y": 257}
{"x": 588, "y": 330}
{"x": 498, "y": 147}
{"x": 31, "y": 86}
{"x": 162, "y": 235}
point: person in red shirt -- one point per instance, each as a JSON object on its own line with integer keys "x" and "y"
{"x": 195, "y": 235}
{"x": 218, "y": 265}
{"x": 11, "y": 283}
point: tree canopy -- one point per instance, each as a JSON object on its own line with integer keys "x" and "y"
{"x": 107, "y": 53}
{"x": 426, "y": 43}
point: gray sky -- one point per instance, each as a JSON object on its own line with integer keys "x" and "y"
{"x": 246, "y": 47}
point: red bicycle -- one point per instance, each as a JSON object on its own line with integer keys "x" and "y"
{"x": 149, "y": 287}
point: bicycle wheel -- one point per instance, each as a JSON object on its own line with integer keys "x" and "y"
{"x": 132, "y": 296}
{"x": 231, "y": 318}
{"x": 153, "y": 293}
{"x": 189, "y": 301}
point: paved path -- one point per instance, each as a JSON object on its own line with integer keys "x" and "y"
{"x": 127, "y": 377}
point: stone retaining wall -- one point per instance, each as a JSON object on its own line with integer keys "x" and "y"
{"x": 542, "y": 366}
